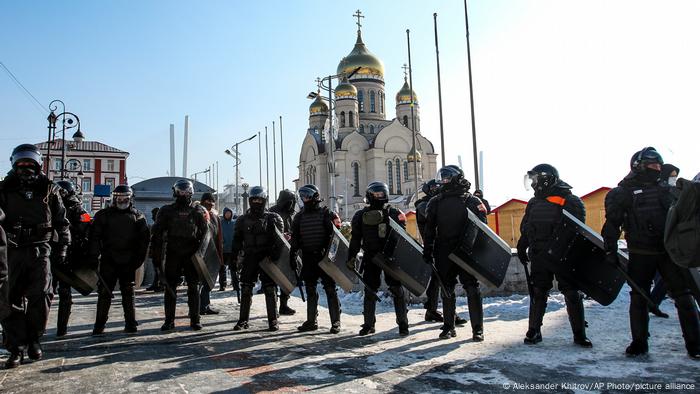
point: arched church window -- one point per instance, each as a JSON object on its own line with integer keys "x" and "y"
{"x": 356, "y": 179}
{"x": 362, "y": 129}
{"x": 361, "y": 100}
{"x": 371, "y": 129}
{"x": 342, "y": 119}
{"x": 405, "y": 170}
{"x": 390, "y": 176}
{"x": 398, "y": 176}
{"x": 351, "y": 118}
{"x": 381, "y": 103}
{"x": 405, "y": 120}
{"x": 372, "y": 102}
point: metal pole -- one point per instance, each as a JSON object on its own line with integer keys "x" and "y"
{"x": 260, "y": 157}
{"x": 437, "y": 56}
{"x": 267, "y": 164}
{"x": 471, "y": 101}
{"x": 274, "y": 155}
{"x": 334, "y": 201}
{"x": 48, "y": 152}
{"x": 236, "y": 199}
{"x": 413, "y": 120}
{"x": 63, "y": 147}
{"x": 282, "y": 151}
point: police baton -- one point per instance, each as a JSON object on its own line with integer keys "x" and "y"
{"x": 362, "y": 280}
{"x": 436, "y": 275}
{"x": 528, "y": 279}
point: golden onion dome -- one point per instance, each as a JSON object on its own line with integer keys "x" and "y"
{"x": 413, "y": 155}
{"x": 345, "y": 90}
{"x": 360, "y": 56}
{"x": 318, "y": 106}
{"x": 404, "y": 95}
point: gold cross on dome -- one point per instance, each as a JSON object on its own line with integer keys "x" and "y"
{"x": 358, "y": 15}
{"x": 318, "y": 83}
{"x": 405, "y": 71}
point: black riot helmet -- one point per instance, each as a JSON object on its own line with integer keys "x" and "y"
{"x": 67, "y": 188}
{"x": 541, "y": 177}
{"x": 122, "y": 197}
{"x": 430, "y": 187}
{"x": 257, "y": 192}
{"x": 452, "y": 176}
{"x": 645, "y": 157}
{"x": 377, "y": 194}
{"x": 257, "y": 198}
{"x": 183, "y": 188}
{"x": 26, "y": 162}
{"x": 309, "y": 193}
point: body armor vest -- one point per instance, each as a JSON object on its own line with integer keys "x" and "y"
{"x": 313, "y": 230}
{"x": 646, "y": 219}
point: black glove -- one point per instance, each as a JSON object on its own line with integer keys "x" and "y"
{"x": 611, "y": 258}
{"x": 351, "y": 264}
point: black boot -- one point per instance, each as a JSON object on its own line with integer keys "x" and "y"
{"x": 193, "y": 304}
{"x": 538, "y": 305}
{"x": 333, "y": 308}
{"x": 246, "y": 302}
{"x": 285, "y": 310}
{"x": 34, "y": 350}
{"x": 311, "y": 322}
{"x": 690, "y": 324}
{"x": 169, "y": 304}
{"x": 449, "y": 310}
{"x": 103, "y": 304}
{"x": 130, "y": 322}
{"x": 368, "y": 313}
{"x": 65, "y": 301}
{"x": 271, "y": 305}
{"x": 431, "y": 304}
{"x": 639, "y": 325}
{"x": 433, "y": 316}
{"x": 400, "y": 309}
{"x": 476, "y": 312}
{"x": 16, "y": 358}
{"x": 576, "y": 312}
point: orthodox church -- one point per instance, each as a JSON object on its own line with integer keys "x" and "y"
{"x": 363, "y": 144}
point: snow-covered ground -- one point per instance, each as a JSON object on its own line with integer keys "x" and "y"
{"x": 217, "y": 359}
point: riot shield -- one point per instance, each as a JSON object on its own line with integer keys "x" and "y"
{"x": 82, "y": 279}
{"x": 334, "y": 262}
{"x": 279, "y": 270}
{"x": 586, "y": 261}
{"x": 483, "y": 253}
{"x": 206, "y": 260}
{"x": 402, "y": 259}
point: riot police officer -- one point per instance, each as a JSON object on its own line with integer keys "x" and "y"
{"x": 538, "y": 229}
{"x": 255, "y": 236}
{"x": 312, "y": 232}
{"x": 120, "y": 238}
{"x": 447, "y": 220}
{"x": 34, "y": 213}
{"x": 639, "y": 206}
{"x": 284, "y": 206}
{"x": 370, "y": 230}
{"x": 430, "y": 188}
{"x": 79, "y": 225}
{"x": 177, "y": 233}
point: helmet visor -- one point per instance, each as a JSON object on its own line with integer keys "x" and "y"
{"x": 306, "y": 194}
{"x": 530, "y": 181}
{"x": 445, "y": 175}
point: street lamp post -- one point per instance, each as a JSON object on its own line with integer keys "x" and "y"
{"x": 245, "y": 197}
{"x": 238, "y": 161}
{"x": 68, "y": 121}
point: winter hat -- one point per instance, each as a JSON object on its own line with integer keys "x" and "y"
{"x": 207, "y": 197}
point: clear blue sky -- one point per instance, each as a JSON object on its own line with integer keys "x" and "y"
{"x": 579, "y": 84}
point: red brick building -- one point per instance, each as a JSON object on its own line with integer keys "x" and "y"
{"x": 95, "y": 164}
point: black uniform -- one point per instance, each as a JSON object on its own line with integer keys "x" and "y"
{"x": 639, "y": 207}
{"x": 120, "y": 237}
{"x": 4, "y": 280}
{"x": 285, "y": 208}
{"x": 446, "y": 222}
{"x": 255, "y": 235}
{"x": 312, "y": 232}
{"x": 542, "y": 219}
{"x": 433, "y": 291}
{"x": 371, "y": 239}
{"x": 79, "y": 221}
{"x": 34, "y": 213}
{"x": 176, "y": 235}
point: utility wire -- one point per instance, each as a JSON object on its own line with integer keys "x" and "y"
{"x": 14, "y": 78}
